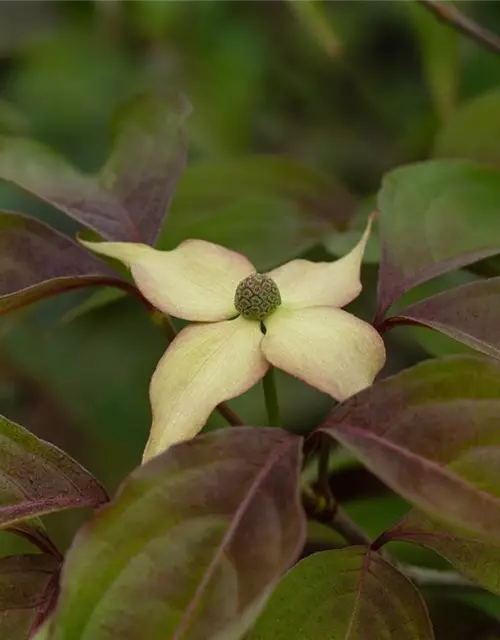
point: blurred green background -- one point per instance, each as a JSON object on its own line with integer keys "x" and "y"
{"x": 344, "y": 90}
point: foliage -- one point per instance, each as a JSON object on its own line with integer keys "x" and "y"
{"x": 246, "y": 532}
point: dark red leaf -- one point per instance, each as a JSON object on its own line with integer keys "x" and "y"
{"x": 148, "y": 157}
{"x": 130, "y": 200}
{"x": 469, "y": 314}
{"x": 476, "y": 559}
{"x": 28, "y": 589}
{"x": 192, "y": 545}
{"x": 36, "y": 262}
{"x": 435, "y": 217}
{"x": 39, "y": 478}
{"x": 432, "y": 433}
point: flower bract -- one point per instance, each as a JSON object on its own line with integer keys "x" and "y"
{"x": 242, "y": 323}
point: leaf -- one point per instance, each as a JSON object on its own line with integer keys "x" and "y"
{"x": 137, "y": 181}
{"x": 435, "y": 217}
{"x": 468, "y": 314}
{"x": 38, "y": 478}
{"x": 36, "y": 262}
{"x": 432, "y": 433}
{"x": 28, "y": 588}
{"x": 346, "y": 594}
{"x": 40, "y": 171}
{"x": 433, "y": 342}
{"x": 477, "y": 560}
{"x": 205, "y": 530}
{"x": 269, "y": 208}
{"x": 473, "y": 131}
{"x": 149, "y": 154}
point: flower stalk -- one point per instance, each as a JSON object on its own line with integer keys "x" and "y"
{"x": 271, "y": 399}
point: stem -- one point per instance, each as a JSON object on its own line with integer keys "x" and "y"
{"x": 323, "y": 485}
{"x": 229, "y": 415}
{"x": 425, "y": 577}
{"x": 348, "y": 529}
{"x": 271, "y": 398}
{"x": 353, "y": 534}
{"x": 457, "y": 20}
{"x": 165, "y": 321}
{"x": 39, "y": 539}
{"x": 321, "y": 505}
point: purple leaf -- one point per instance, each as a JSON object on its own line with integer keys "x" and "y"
{"x": 148, "y": 157}
{"x": 136, "y": 183}
{"x": 40, "y": 171}
{"x": 432, "y": 433}
{"x": 469, "y": 314}
{"x": 477, "y": 560}
{"x": 36, "y": 262}
{"x": 38, "y": 478}
{"x": 191, "y": 546}
{"x": 435, "y": 217}
{"x": 28, "y": 589}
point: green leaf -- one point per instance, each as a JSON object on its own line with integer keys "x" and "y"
{"x": 349, "y": 594}
{"x": 28, "y": 588}
{"x": 473, "y": 131}
{"x": 477, "y": 560}
{"x": 432, "y": 434}
{"x": 270, "y": 209}
{"x": 191, "y": 546}
{"x": 38, "y": 478}
{"x": 136, "y": 183}
{"x": 149, "y": 154}
{"x": 468, "y": 314}
{"x": 435, "y": 217}
{"x": 36, "y": 262}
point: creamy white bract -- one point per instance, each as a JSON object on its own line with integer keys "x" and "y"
{"x": 224, "y": 354}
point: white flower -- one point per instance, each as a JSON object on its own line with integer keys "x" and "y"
{"x": 225, "y": 353}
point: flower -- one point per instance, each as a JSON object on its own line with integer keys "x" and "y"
{"x": 244, "y": 322}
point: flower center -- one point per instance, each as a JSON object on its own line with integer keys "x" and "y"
{"x": 257, "y": 296}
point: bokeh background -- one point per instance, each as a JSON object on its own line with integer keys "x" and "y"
{"x": 337, "y": 93}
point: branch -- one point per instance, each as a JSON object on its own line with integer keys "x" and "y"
{"x": 348, "y": 529}
{"x": 425, "y": 577}
{"x": 450, "y": 15}
{"x": 320, "y": 508}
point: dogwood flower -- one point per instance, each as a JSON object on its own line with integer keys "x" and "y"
{"x": 244, "y": 322}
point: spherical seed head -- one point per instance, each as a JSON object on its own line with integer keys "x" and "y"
{"x": 257, "y": 296}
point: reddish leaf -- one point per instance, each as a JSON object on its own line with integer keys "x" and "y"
{"x": 48, "y": 176}
{"x": 349, "y": 594}
{"x": 469, "y": 314}
{"x": 432, "y": 433}
{"x": 149, "y": 155}
{"x": 28, "y": 588}
{"x": 435, "y": 217}
{"x": 138, "y": 180}
{"x": 192, "y": 545}
{"x": 36, "y": 262}
{"x": 475, "y": 559}
{"x": 38, "y": 478}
